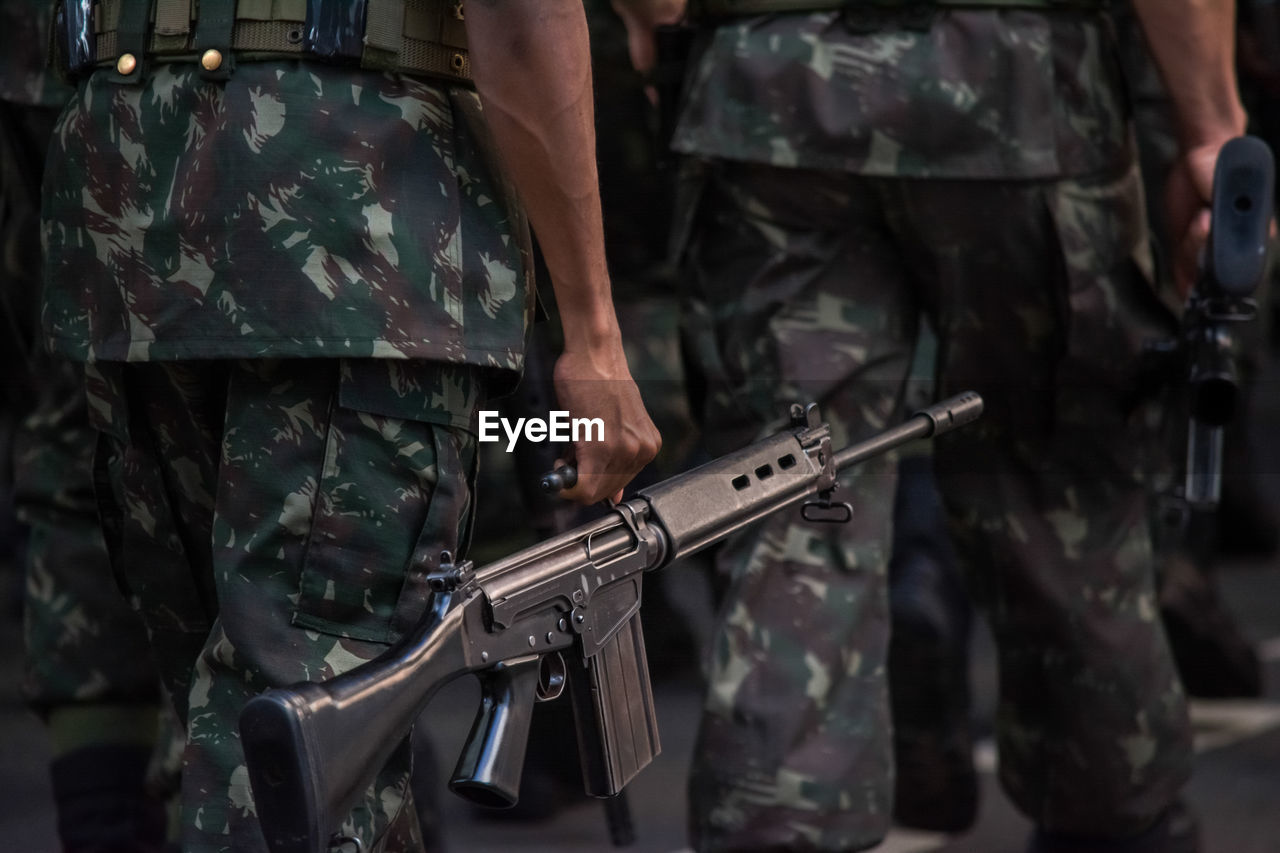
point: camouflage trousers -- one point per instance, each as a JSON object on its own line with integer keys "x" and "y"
{"x": 808, "y": 286}
{"x": 84, "y": 644}
{"x": 274, "y": 522}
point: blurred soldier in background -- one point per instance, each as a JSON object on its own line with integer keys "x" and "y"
{"x": 930, "y": 620}
{"x": 1214, "y": 659}
{"x": 868, "y": 161}
{"x": 89, "y": 671}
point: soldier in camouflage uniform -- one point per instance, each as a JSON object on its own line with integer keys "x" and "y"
{"x": 293, "y": 283}
{"x": 89, "y": 672}
{"x": 864, "y": 164}
{"x": 1215, "y": 659}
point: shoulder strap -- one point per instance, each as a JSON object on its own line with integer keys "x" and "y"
{"x": 212, "y": 38}
{"x": 132, "y": 41}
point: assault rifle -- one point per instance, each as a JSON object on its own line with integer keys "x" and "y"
{"x": 1234, "y": 263}
{"x": 562, "y": 613}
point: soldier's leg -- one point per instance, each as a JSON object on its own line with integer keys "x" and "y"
{"x": 1045, "y": 308}
{"x": 89, "y": 670}
{"x": 322, "y": 487}
{"x": 936, "y": 783}
{"x": 799, "y": 287}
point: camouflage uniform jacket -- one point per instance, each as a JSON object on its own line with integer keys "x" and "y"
{"x": 296, "y": 210}
{"x": 959, "y": 93}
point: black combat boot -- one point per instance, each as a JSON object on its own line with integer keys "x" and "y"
{"x": 936, "y": 785}
{"x": 1176, "y": 832}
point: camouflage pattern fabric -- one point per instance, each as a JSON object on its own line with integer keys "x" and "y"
{"x": 296, "y": 210}
{"x": 30, "y": 97}
{"x": 84, "y": 643}
{"x": 89, "y": 673}
{"x": 1153, "y": 121}
{"x": 345, "y": 232}
{"x": 927, "y": 93}
{"x": 276, "y": 523}
{"x": 808, "y": 285}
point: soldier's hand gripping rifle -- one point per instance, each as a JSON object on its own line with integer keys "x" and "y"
{"x": 1233, "y": 266}
{"x": 563, "y": 611}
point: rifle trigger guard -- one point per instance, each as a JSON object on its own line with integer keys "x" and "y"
{"x": 826, "y": 512}
{"x": 338, "y": 844}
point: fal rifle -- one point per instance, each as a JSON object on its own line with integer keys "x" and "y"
{"x": 563, "y": 613}
{"x": 1233, "y": 265}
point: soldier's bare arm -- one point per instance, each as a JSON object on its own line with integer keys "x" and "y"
{"x": 1193, "y": 42}
{"x": 532, "y": 68}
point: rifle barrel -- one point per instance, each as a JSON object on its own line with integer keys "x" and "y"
{"x": 942, "y": 417}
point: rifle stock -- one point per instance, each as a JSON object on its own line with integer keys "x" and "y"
{"x": 309, "y": 747}
{"x": 570, "y": 603}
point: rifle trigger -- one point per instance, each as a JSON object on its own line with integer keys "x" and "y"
{"x": 826, "y": 512}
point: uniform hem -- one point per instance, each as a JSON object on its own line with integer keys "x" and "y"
{"x": 218, "y": 349}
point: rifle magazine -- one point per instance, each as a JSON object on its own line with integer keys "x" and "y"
{"x": 613, "y": 706}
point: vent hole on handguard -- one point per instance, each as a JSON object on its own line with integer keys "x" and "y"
{"x": 741, "y": 482}
{"x": 786, "y": 462}
{"x": 764, "y": 472}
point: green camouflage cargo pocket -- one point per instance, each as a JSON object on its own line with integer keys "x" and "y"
{"x": 393, "y": 491}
